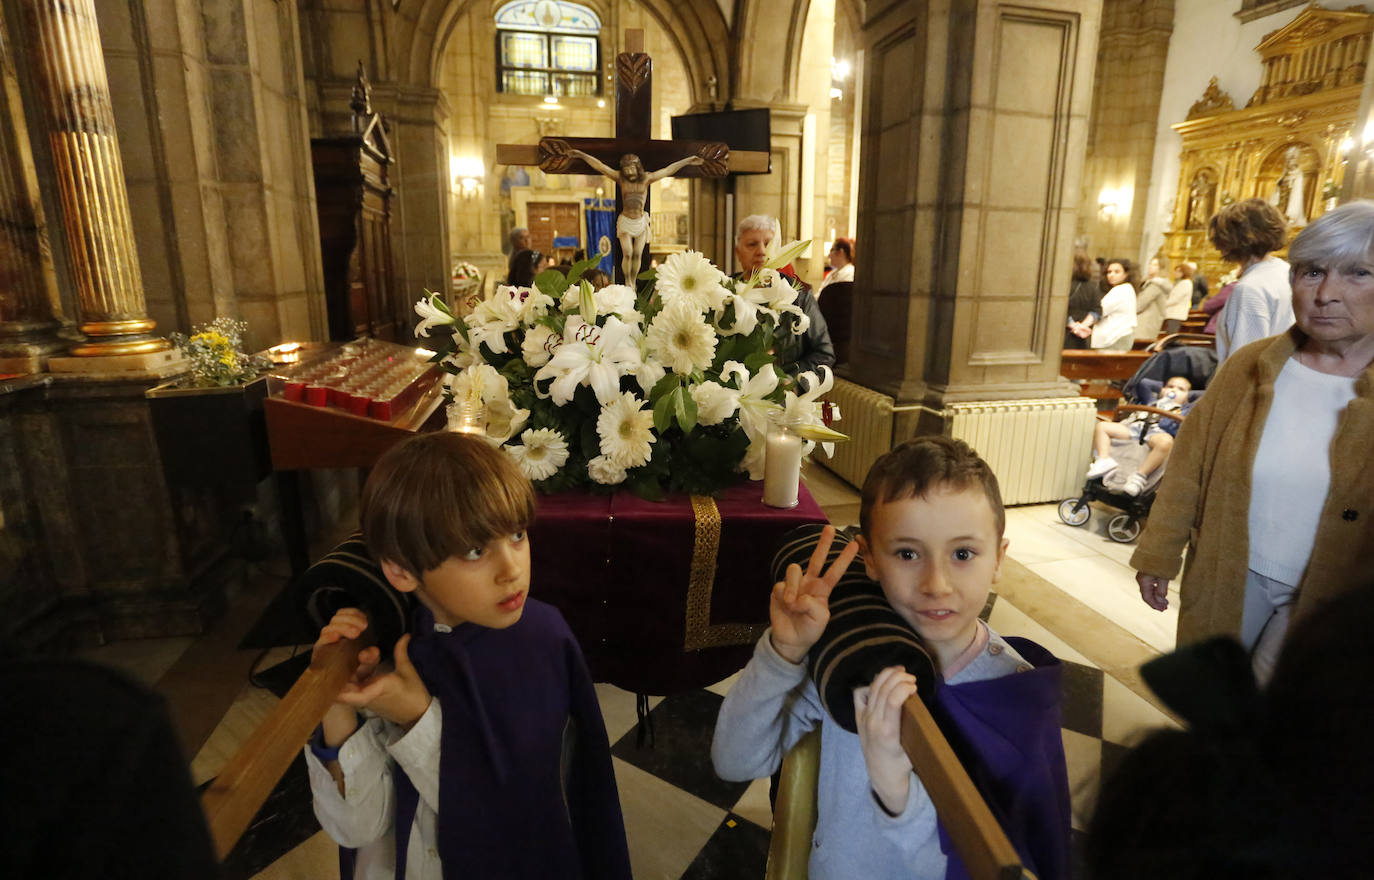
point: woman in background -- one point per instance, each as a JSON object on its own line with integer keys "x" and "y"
{"x": 1269, "y": 485}
{"x": 1085, "y": 297}
{"x": 1112, "y": 328}
{"x": 523, "y": 267}
{"x": 1180, "y": 298}
{"x": 842, "y": 264}
{"x": 1150, "y": 300}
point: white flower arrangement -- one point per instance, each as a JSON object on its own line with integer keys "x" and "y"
{"x": 671, "y": 387}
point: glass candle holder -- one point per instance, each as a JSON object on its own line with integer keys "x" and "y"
{"x": 782, "y": 464}
{"x": 468, "y": 417}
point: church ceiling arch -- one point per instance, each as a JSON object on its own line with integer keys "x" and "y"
{"x": 770, "y": 27}
{"x": 696, "y": 27}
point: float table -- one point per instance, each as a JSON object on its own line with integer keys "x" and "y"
{"x": 663, "y": 596}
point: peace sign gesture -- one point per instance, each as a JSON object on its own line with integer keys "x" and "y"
{"x": 800, "y": 606}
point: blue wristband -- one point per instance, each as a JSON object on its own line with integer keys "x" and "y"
{"x": 322, "y": 751}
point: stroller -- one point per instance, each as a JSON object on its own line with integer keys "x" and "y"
{"x": 1196, "y": 364}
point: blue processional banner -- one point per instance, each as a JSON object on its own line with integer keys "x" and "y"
{"x": 601, "y": 224}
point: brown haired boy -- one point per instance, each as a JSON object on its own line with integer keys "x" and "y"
{"x": 508, "y": 772}
{"x": 932, "y": 522}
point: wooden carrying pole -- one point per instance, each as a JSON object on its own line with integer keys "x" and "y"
{"x": 241, "y": 787}
{"x": 981, "y": 842}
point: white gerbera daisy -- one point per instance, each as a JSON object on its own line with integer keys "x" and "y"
{"x": 681, "y": 339}
{"x": 543, "y": 452}
{"x": 606, "y": 472}
{"x": 626, "y": 431}
{"x": 689, "y": 277}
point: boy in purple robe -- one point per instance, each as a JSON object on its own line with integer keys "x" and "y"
{"x": 482, "y": 753}
{"x": 932, "y": 526}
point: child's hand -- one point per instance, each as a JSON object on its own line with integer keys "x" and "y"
{"x": 878, "y": 715}
{"x": 800, "y": 608}
{"x": 398, "y": 696}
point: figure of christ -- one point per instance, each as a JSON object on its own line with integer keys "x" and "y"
{"x": 632, "y": 226}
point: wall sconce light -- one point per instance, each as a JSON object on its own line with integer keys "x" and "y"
{"x": 839, "y": 69}
{"x": 1112, "y": 203}
{"x": 468, "y": 172}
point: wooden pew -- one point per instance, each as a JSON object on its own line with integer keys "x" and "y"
{"x": 1100, "y": 374}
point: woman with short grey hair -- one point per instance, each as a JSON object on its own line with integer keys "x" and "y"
{"x": 1270, "y": 486}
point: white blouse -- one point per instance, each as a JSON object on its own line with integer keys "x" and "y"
{"x": 1118, "y": 318}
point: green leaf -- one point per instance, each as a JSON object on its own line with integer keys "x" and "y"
{"x": 581, "y": 267}
{"x": 756, "y": 361}
{"x": 663, "y": 386}
{"x": 686, "y": 410}
{"x": 551, "y": 283}
{"x": 647, "y": 275}
{"x": 788, "y": 254}
{"x": 663, "y": 413}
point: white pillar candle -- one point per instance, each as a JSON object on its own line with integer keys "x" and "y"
{"x": 781, "y": 467}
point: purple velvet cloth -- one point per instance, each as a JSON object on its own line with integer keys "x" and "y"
{"x": 618, "y": 568}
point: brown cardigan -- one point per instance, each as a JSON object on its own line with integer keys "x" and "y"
{"x": 1204, "y": 498}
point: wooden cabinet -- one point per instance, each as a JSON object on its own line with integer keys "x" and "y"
{"x": 354, "y": 201}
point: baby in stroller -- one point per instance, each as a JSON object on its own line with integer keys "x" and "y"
{"x": 1132, "y": 455}
{"x": 1154, "y": 429}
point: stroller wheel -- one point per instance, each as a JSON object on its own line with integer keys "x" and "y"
{"x": 1074, "y": 511}
{"x": 1123, "y": 528}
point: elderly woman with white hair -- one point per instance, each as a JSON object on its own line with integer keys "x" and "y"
{"x": 796, "y": 354}
{"x": 1270, "y": 485}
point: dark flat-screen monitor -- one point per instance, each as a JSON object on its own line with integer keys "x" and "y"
{"x": 739, "y": 129}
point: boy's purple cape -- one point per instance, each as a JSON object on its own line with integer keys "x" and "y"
{"x": 526, "y": 788}
{"x": 1006, "y": 733}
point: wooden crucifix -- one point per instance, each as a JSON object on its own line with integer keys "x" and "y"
{"x": 627, "y": 158}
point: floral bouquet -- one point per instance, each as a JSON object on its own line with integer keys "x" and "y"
{"x": 214, "y": 351}
{"x": 467, "y": 285}
{"x": 671, "y": 387}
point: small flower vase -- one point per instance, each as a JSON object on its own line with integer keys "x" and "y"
{"x": 468, "y": 417}
{"x": 782, "y": 464}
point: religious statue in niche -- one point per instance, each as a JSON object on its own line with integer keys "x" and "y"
{"x": 632, "y": 226}
{"x": 1201, "y": 200}
{"x": 1288, "y": 195}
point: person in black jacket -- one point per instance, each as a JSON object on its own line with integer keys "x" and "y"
{"x": 1084, "y": 296}
{"x": 796, "y": 353}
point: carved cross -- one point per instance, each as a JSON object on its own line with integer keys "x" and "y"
{"x": 633, "y": 118}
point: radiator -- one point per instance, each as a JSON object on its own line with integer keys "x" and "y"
{"x": 866, "y": 416}
{"x": 1038, "y": 448}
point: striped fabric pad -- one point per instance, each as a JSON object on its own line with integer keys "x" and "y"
{"x": 348, "y": 577}
{"x": 864, "y": 636}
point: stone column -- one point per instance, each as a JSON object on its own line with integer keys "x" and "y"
{"x": 75, "y": 97}
{"x": 28, "y": 284}
{"x": 975, "y": 124}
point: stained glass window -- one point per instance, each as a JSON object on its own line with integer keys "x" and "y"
{"x": 548, "y": 47}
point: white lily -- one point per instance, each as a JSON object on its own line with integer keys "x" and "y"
{"x": 433, "y": 313}
{"x": 805, "y": 408}
{"x": 504, "y": 418}
{"x": 591, "y": 355}
{"x": 715, "y": 403}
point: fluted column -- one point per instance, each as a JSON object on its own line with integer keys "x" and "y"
{"x": 75, "y": 96}
{"x": 28, "y": 284}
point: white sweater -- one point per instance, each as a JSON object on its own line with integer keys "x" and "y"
{"x": 1292, "y": 469}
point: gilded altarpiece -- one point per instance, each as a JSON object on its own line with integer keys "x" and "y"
{"x": 1288, "y": 144}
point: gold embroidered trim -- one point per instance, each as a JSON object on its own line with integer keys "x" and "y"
{"x": 702, "y": 581}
